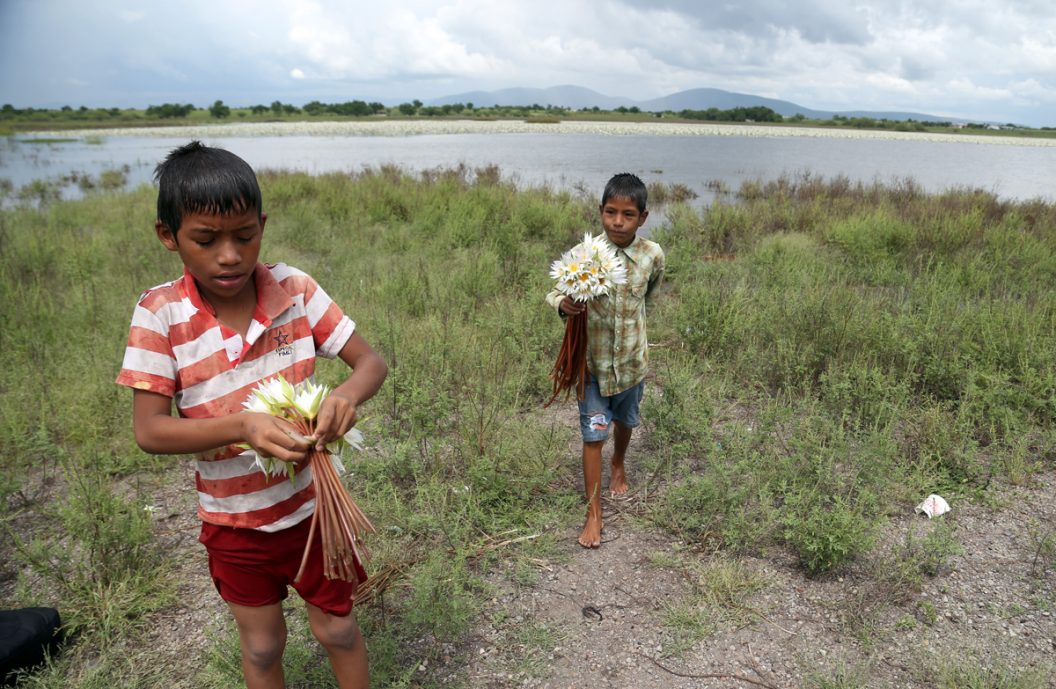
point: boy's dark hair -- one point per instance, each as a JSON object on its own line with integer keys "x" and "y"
{"x": 196, "y": 178}
{"x": 626, "y": 186}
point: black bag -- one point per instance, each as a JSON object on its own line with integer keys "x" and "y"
{"x": 25, "y": 636}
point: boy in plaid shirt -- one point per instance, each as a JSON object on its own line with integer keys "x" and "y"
{"x": 618, "y": 349}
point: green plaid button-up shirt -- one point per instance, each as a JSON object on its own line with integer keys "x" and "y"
{"x": 618, "y": 353}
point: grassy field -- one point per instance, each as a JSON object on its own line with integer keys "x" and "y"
{"x": 864, "y": 344}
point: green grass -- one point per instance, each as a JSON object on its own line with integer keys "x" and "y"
{"x": 718, "y": 598}
{"x": 839, "y": 677}
{"x": 867, "y": 345}
{"x": 971, "y": 674}
{"x": 45, "y": 140}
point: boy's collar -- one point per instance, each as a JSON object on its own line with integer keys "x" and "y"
{"x": 190, "y": 287}
{"x": 272, "y": 299}
{"x": 631, "y": 250}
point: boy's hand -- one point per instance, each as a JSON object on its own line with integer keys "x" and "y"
{"x": 572, "y": 307}
{"x": 273, "y": 437}
{"x": 337, "y": 414}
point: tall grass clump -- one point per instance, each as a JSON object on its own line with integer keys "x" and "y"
{"x": 93, "y": 549}
{"x": 907, "y": 340}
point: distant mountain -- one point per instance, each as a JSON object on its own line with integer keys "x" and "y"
{"x": 702, "y": 99}
{"x": 577, "y": 98}
{"x": 918, "y": 116}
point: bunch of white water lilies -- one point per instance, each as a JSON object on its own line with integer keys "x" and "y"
{"x": 589, "y": 269}
{"x": 299, "y": 404}
{"x": 339, "y": 520}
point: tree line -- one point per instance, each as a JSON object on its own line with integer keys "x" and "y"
{"x": 360, "y": 108}
{"x": 416, "y": 108}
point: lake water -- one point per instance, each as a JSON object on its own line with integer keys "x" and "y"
{"x": 576, "y": 161}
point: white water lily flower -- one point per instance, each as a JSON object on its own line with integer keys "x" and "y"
{"x": 272, "y": 466}
{"x": 270, "y": 396}
{"x": 283, "y": 393}
{"x": 299, "y": 404}
{"x": 276, "y": 396}
{"x": 354, "y": 438}
{"x": 257, "y": 402}
{"x": 308, "y": 398}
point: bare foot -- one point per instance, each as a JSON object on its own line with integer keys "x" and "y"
{"x": 591, "y": 536}
{"x": 618, "y": 481}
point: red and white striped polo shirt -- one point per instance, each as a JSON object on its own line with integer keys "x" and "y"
{"x": 176, "y": 347}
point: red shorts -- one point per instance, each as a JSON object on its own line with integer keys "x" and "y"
{"x": 254, "y": 568}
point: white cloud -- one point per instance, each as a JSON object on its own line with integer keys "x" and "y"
{"x": 890, "y": 83}
{"x": 967, "y": 89}
{"x": 373, "y": 43}
{"x": 875, "y": 54}
{"x": 1033, "y": 89}
{"x": 1038, "y": 52}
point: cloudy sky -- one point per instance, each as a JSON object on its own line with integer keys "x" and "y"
{"x": 989, "y": 60}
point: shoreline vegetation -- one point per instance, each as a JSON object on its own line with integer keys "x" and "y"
{"x": 825, "y": 354}
{"x": 419, "y": 127}
{"x": 357, "y": 117}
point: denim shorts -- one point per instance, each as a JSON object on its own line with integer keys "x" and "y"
{"x": 596, "y": 413}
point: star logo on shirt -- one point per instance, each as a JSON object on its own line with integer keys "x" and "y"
{"x": 282, "y": 344}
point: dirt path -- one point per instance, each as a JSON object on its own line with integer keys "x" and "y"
{"x": 647, "y": 611}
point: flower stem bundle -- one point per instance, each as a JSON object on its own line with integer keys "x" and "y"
{"x": 337, "y": 518}
{"x": 570, "y": 369}
{"x": 340, "y": 522}
{"x": 587, "y": 271}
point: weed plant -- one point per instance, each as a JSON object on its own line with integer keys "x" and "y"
{"x": 841, "y": 676}
{"x": 720, "y": 590}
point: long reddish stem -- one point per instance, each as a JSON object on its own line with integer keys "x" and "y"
{"x": 308, "y": 545}
{"x": 570, "y": 369}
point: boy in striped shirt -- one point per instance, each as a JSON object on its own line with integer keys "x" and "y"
{"x": 202, "y": 343}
